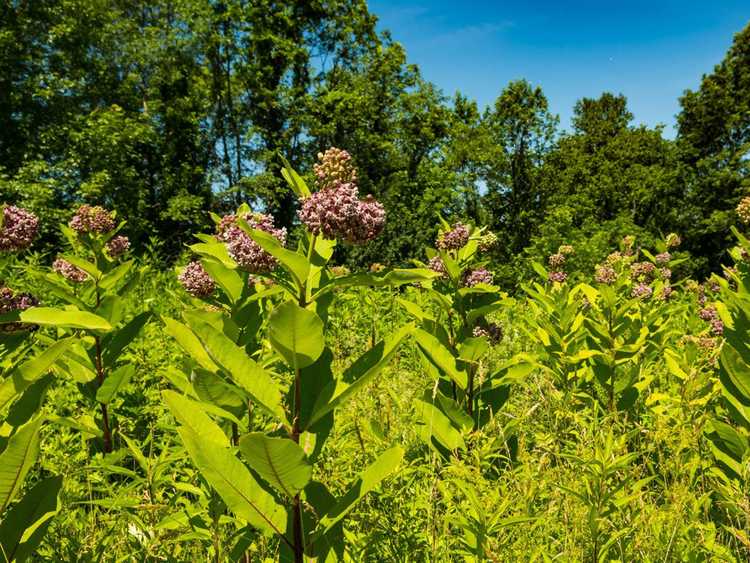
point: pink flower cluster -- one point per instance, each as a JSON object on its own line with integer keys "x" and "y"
{"x": 244, "y": 250}
{"x": 642, "y": 291}
{"x": 663, "y": 258}
{"x": 557, "y": 277}
{"x": 337, "y": 212}
{"x": 454, "y": 239}
{"x": 117, "y": 246}
{"x": 743, "y": 210}
{"x": 605, "y": 274}
{"x": 666, "y": 292}
{"x": 642, "y": 271}
{"x": 69, "y": 271}
{"x": 90, "y": 219}
{"x": 556, "y": 261}
{"x": 711, "y": 316}
{"x": 18, "y": 230}
{"x": 10, "y": 302}
{"x": 480, "y": 275}
{"x": 196, "y": 281}
{"x": 334, "y": 167}
{"x": 436, "y": 264}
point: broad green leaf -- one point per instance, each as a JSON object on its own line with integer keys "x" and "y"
{"x": 216, "y": 250}
{"x": 280, "y": 461}
{"x": 296, "y": 334}
{"x": 244, "y": 371}
{"x": 438, "y": 426}
{"x": 190, "y": 415}
{"x": 227, "y": 278}
{"x": 190, "y": 343}
{"x": 115, "y": 342}
{"x": 414, "y": 310}
{"x": 24, "y": 526}
{"x": 84, "y": 265}
{"x": 111, "y": 279}
{"x": 737, "y": 370}
{"x": 362, "y": 371}
{"x": 234, "y": 483}
{"x": 114, "y": 382}
{"x": 386, "y": 464}
{"x": 17, "y": 459}
{"x": 296, "y": 264}
{"x": 64, "y": 318}
{"x": 440, "y": 356}
{"x": 295, "y": 181}
{"x": 472, "y": 349}
{"x": 28, "y": 372}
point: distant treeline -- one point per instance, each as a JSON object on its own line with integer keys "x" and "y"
{"x": 166, "y": 109}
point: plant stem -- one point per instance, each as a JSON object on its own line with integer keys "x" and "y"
{"x": 299, "y": 548}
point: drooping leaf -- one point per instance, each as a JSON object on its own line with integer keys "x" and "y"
{"x": 190, "y": 343}
{"x": 234, "y": 483}
{"x": 17, "y": 459}
{"x": 279, "y": 461}
{"x": 64, "y": 318}
{"x": 440, "y": 356}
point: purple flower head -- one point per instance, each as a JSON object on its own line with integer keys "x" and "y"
{"x": 642, "y": 291}
{"x": 557, "y": 277}
{"x": 196, "y": 281}
{"x": 743, "y": 210}
{"x": 666, "y": 292}
{"x": 117, "y": 246}
{"x": 69, "y": 271}
{"x": 605, "y": 274}
{"x": 708, "y": 313}
{"x": 18, "y": 230}
{"x": 665, "y": 274}
{"x": 642, "y": 271}
{"x": 244, "y": 250}
{"x": 663, "y": 258}
{"x": 334, "y": 167}
{"x": 454, "y": 239}
{"x": 717, "y": 327}
{"x": 556, "y": 260}
{"x": 337, "y": 212}
{"x": 436, "y": 264}
{"x": 90, "y": 219}
{"x": 10, "y": 302}
{"x": 474, "y": 277}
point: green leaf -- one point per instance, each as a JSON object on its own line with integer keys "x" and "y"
{"x": 84, "y": 265}
{"x": 280, "y": 461}
{"x": 31, "y": 370}
{"x": 190, "y": 415}
{"x": 190, "y": 343}
{"x": 737, "y": 370}
{"x": 227, "y": 278}
{"x": 244, "y": 371}
{"x": 295, "y": 181}
{"x": 362, "y": 371}
{"x": 386, "y": 464}
{"x": 114, "y": 382}
{"x": 296, "y": 264}
{"x": 16, "y": 460}
{"x": 115, "y": 342}
{"x": 111, "y": 279}
{"x": 438, "y": 426}
{"x": 235, "y": 484}
{"x": 296, "y": 334}
{"x": 24, "y": 526}
{"x": 216, "y": 250}
{"x": 64, "y": 318}
{"x": 440, "y": 356}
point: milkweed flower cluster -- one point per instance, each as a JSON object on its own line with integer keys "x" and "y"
{"x": 605, "y": 274}
{"x": 436, "y": 264}
{"x": 69, "y": 271}
{"x": 337, "y": 212}
{"x": 743, "y": 210}
{"x": 487, "y": 241}
{"x": 711, "y": 316}
{"x": 666, "y": 292}
{"x": 557, "y": 276}
{"x": 556, "y": 261}
{"x": 88, "y": 220}
{"x": 117, "y": 246}
{"x": 492, "y": 332}
{"x": 334, "y": 167}
{"x": 454, "y": 239}
{"x": 662, "y": 258}
{"x": 244, "y": 250}
{"x": 566, "y": 249}
{"x": 642, "y": 272}
{"x": 11, "y": 302}
{"x": 474, "y": 277}
{"x": 642, "y": 291}
{"x": 18, "y": 230}
{"x": 196, "y": 281}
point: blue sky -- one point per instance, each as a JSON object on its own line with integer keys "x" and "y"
{"x": 650, "y": 51}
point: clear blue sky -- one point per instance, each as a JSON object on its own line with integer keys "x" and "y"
{"x": 651, "y": 51}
